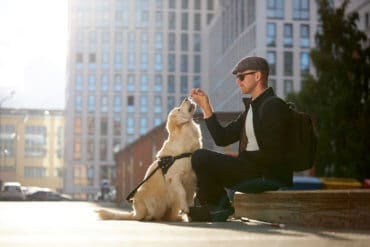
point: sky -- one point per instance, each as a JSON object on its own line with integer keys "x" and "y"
{"x": 33, "y": 51}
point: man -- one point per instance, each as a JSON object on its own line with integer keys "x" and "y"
{"x": 261, "y": 130}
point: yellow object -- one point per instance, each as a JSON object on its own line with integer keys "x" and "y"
{"x": 340, "y": 183}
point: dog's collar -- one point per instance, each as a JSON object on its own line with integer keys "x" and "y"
{"x": 166, "y": 162}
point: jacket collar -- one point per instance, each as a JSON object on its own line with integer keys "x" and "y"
{"x": 257, "y": 101}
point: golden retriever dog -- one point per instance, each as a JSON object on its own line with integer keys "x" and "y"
{"x": 168, "y": 197}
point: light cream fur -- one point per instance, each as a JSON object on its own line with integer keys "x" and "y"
{"x": 168, "y": 198}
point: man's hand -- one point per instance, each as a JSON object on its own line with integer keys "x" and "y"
{"x": 202, "y": 100}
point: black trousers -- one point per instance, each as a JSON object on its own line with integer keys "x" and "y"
{"x": 216, "y": 171}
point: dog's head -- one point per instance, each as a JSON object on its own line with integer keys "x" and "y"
{"x": 180, "y": 115}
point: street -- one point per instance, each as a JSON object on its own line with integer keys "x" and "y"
{"x": 76, "y": 224}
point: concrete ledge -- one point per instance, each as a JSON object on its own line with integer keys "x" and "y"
{"x": 345, "y": 209}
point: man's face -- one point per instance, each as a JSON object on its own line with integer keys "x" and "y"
{"x": 246, "y": 81}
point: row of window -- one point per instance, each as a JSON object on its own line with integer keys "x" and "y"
{"x": 35, "y": 141}
{"x": 144, "y": 103}
{"x": 304, "y": 35}
{"x": 141, "y": 42}
{"x": 120, "y": 18}
{"x": 40, "y": 172}
{"x": 288, "y": 62}
{"x": 144, "y": 62}
{"x": 118, "y": 84}
{"x": 300, "y": 9}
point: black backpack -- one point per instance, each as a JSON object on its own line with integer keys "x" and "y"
{"x": 302, "y": 139}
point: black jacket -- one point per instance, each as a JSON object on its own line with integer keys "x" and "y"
{"x": 271, "y": 126}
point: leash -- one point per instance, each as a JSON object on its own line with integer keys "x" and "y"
{"x": 164, "y": 163}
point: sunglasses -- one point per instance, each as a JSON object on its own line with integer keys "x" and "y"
{"x": 241, "y": 76}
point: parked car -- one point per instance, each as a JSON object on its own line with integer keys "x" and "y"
{"x": 48, "y": 195}
{"x": 12, "y": 191}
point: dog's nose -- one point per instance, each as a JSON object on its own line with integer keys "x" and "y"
{"x": 186, "y": 99}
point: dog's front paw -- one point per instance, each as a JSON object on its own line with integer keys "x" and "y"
{"x": 184, "y": 216}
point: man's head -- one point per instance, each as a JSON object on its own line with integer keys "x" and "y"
{"x": 252, "y": 74}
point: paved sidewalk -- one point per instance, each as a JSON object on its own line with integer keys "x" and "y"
{"x": 75, "y": 224}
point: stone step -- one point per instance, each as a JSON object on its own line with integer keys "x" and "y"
{"x": 345, "y": 209}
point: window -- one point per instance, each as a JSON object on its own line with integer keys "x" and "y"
{"x": 184, "y": 21}
{"x": 158, "y": 19}
{"x": 197, "y": 4}
{"x": 144, "y": 42}
{"x": 104, "y": 83}
{"x": 144, "y": 83}
{"x": 288, "y": 63}
{"x": 305, "y": 63}
{"x": 305, "y": 36}
{"x": 35, "y": 141}
{"x": 143, "y": 125}
{"x": 171, "y": 21}
{"x": 105, "y": 60}
{"x": 171, "y": 41}
{"x": 103, "y": 149}
{"x": 158, "y": 41}
{"x": 118, "y": 60}
{"x": 158, "y": 62}
{"x": 130, "y": 83}
{"x": 78, "y": 103}
{"x": 91, "y": 103}
{"x": 197, "y": 64}
{"x": 117, "y": 83}
{"x": 184, "y": 84}
{"x": 288, "y": 35}
{"x": 210, "y": 4}
{"x": 144, "y": 61}
{"x": 92, "y": 83}
{"x": 171, "y": 84}
{"x": 275, "y": 9}
{"x": 197, "y": 22}
{"x": 170, "y": 103}
{"x": 144, "y": 104}
{"x": 104, "y": 126}
{"x": 117, "y": 107}
{"x": 171, "y": 62}
{"x": 90, "y": 125}
{"x": 288, "y": 87}
{"x": 92, "y": 61}
{"x": 90, "y": 149}
{"x": 196, "y": 82}
{"x": 272, "y": 83}
{"x": 271, "y": 34}
{"x": 79, "y": 82}
{"x": 184, "y": 63}
{"x": 172, "y": 4}
{"x": 185, "y": 4}
{"x": 158, "y": 83}
{"x": 131, "y": 60}
{"x": 184, "y": 42}
{"x": 77, "y": 148}
{"x": 301, "y": 9}
{"x": 7, "y": 140}
{"x": 271, "y": 58}
{"x": 34, "y": 172}
{"x": 104, "y": 104}
{"x": 157, "y": 121}
{"x": 77, "y": 126}
{"x": 130, "y": 125}
{"x": 117, "y": 125}
{"x": 157, "y": 104}
{"x": 130, "y": 103}
{"x": 197, "y": 42}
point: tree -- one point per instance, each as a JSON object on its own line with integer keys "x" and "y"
{"x": 338, "y": 95}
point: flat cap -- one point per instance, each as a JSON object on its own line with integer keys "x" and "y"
{"x": 251, "y": 63}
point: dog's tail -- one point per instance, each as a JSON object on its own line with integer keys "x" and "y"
{"x": 114, "y": 215}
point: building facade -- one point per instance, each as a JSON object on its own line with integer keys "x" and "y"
{"x": 281, "y": 31}
{"x": 31, "y": 145}
{"x": 130, "y": 61}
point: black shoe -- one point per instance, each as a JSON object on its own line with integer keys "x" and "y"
{"x": 210, "y": 213}
{"x": 221, "y": 214}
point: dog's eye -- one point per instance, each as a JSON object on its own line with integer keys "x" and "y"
{"x": 178, "y": 109}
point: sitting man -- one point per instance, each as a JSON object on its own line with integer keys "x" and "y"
{"x": 261, "y": 130}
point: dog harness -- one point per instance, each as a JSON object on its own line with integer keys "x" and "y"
{"x": 164, "y": 163}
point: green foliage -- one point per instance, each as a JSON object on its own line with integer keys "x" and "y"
{"x": 337, "y": 96}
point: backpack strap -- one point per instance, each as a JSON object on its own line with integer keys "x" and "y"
{"x": 266, "y": 101}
